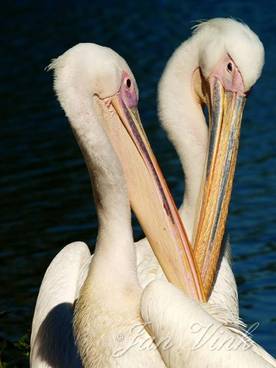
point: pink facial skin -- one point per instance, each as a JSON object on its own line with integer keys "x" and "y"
{"x": 128, "y": 92}
{"x": 229, "y": 75}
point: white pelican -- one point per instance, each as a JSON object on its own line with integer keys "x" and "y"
{"x": 99, "y": 96}
{"x": 217, "y": 66}
{"x": 219, "y": 50}
{"x": 52, "y": 343}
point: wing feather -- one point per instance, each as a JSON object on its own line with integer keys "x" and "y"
{"x": 52, "y": 341}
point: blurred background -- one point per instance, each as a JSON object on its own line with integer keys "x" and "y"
{"x": 46, "y": 199}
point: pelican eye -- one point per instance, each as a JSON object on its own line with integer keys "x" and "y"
{"x": 128, "y": 83}
{"x": 229, "y": 67}
{"x": 128, "y": 91}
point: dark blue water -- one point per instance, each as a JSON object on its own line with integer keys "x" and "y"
{"x": 45, "y": 190}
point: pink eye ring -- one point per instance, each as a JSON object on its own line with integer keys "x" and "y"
{"x": 128, "y": 91}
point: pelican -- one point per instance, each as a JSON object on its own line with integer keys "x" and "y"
{"x": 223, "y": 57}
{"x": 98, "y": 93}
{"x": 112, "y": 299}
{"x": 216, "y": 67}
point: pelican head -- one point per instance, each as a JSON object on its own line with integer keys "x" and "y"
{"x": 231, "y": 58}
{"x": 223, "y": 41}
{"x": 99, "y": 95}
{"x": 216, "y": 67}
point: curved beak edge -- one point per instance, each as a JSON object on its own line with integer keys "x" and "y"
{"x": 225, "y": 110}
{"x": 150, "y": 198}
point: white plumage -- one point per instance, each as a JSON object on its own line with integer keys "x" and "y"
{"x": 196, "y": 338}
{"x": 168, "y": 309}
{"x": 107, "y": 291}
{"x": 182, "y": 117}
{"x": 52, "y": 341}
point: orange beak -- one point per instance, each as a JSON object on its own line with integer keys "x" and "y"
{"x": 150, "y": 197}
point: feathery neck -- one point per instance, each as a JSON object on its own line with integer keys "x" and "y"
{"x": 109, "y": 187}
{"x": 112, "y": 272}
{"x": 183, "y": 119}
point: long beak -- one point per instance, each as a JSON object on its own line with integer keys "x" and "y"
{"x": 225, "y": 110}
{"x": 151, "y": 200}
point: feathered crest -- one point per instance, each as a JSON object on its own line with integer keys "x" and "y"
{"x": 202, "y": 22}
{"x": 198, "y": 24}
{"x": 51, "y": 66}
